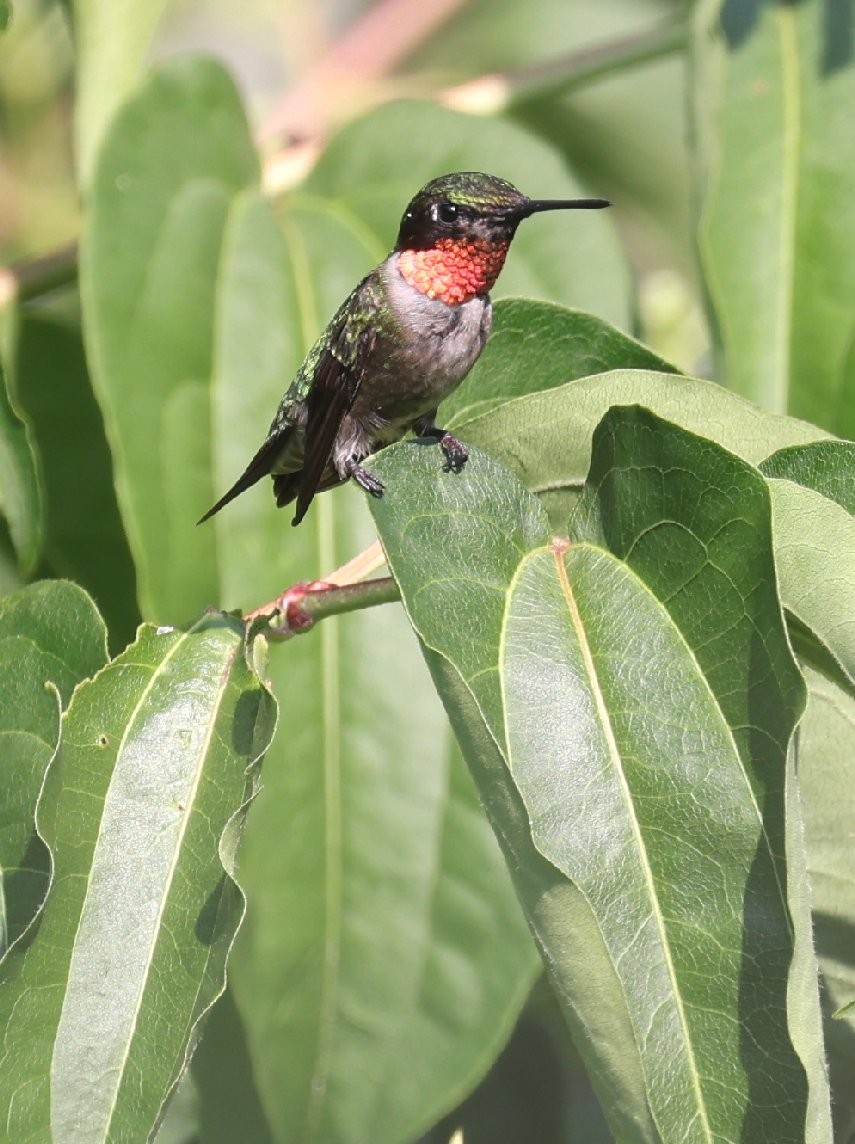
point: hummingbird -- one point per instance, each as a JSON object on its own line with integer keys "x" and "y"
{"x": 400, "y": 343}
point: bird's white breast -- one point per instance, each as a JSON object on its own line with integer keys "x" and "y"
{"x": 438, "y": 343}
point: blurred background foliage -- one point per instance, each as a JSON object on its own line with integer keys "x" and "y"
{"x": 608, "y": 86}
{"x": 623, "y": 131}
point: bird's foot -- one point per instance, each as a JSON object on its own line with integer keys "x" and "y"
{"x": 367, "y": 481}
{"x": 456, "y": 453}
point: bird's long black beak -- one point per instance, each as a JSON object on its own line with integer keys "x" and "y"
{"x": 537, "y": 206}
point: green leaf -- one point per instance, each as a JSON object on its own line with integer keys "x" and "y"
{"x": 567, "y": 695}
{"x": 815, "y": 556}
{"x": 142, "y": 810}
{"x": 51, "y": 638}
{"x": 5, "y": 14}
{"x": 655, "y": 490}
{"x": 584, "y": 976}
{"x": 825, "y": 762}
{"x": 805, "y": 987}
{"x": 545, "y": 438}
{"x": 694, "y": 523}
{"x": 827, "y": 467}
{"x": 171, "y": 164}
{"x": 111, "y": 41}
{"x": 84, "y": 539}
{"x": 776, "y": 172}
{"x": 382, "y": 937}
{"x": 813, "y": 488}
{"x": 535, "y": 346}
{"x": 20, "y": 494}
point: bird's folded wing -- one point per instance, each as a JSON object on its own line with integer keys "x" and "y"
{"x": 336, "y": 382}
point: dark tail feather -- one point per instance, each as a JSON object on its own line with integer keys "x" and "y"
{"x": 257, "y": 468}
{"x": 285, "y": 487}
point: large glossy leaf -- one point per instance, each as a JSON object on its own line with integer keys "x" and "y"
{"x": 84, "y": 538}
{"x": 51, "y": 638}
{"x": 773, "y": 85}
{"x": 534, "y": 347}
{"x": 141, "y": 810}
{"x": 813, "y": 491}
{"x": 584, "y": 977}
{"x": 111, "y": 41}
{"x": 545, "y": 437}
{"x": 815, "y": 549}
{"x": 828, "y": 467}
{"x": 20, "y": 493}
{"x": 580, "y": 670}
{"x": 636, "y": 506}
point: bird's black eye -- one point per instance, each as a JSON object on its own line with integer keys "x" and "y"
{"x": 443, "y": 212}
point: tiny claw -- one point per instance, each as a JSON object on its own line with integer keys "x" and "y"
{"x": 456, "y": 453}
{"x": 367, "y": 481}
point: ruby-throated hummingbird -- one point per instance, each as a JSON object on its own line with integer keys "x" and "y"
{"x": 404, "y": 339}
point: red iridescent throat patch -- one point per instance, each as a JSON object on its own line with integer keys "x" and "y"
{"x": 455, "y": 270}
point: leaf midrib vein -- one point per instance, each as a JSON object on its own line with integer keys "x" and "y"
{"x": 155, "y": 676}
{"x": 647, "y": 873}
